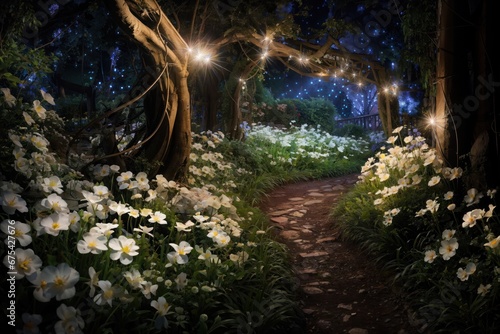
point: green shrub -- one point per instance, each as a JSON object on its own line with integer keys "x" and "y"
{"x": 351, "y": 130}
{"x": 440, "y": 239}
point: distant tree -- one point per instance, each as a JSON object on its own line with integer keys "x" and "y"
{"x": 364, "y": 99}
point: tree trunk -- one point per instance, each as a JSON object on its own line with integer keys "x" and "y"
{"x": 387, "y": 103}
{"x": 167, "y": 140}
{"x": 211, "y": 98}
{"x": 467, "y": 127}
{"x": 235, "y": 131}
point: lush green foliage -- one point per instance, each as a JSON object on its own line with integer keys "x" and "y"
{"x": 115, "y": 251}
{"x": 414, "y": 214}
{"x": 352, "y": 130}
{"x": 313, "y": 111}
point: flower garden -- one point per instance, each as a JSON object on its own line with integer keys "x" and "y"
{"x": 108, "y": 250}
{"x": 105, "y": 250}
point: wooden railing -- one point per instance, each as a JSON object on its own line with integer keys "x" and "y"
{"x": 373, "y": 122}
{"x": 367, "y": 122}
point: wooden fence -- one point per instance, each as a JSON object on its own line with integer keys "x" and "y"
{"x": 373, "y": 122}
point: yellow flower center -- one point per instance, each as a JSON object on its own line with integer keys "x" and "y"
{"x": 55, "y": 225}
{"x": 108, "y": 294}
{"x": 126, "y": 249}
{"x": 24, "y": 265}
{"x": 59, "y": 282}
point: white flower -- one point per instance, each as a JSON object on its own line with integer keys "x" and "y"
{"x": 92, "y": 243}
{"x": 39, "y": 109}
{"x": 47, "y": 97}
{"x": 144, "y": 230}
{"x": 432, "y": 205}
{"x": 30, "y": 323}
{"x": 392, "y": 139}
{"x": 148, "y": 289}
{"x": 239, "y": 257}
{"x": 119, "y": 208}
{"x": 101, "y": 191}
{"x": 55, "y": 223}
{"x": 397, "y": 130}
{"x": 90, "y": 197}
{"x": 71, "y": 320}
{"x": 483, "y": 289}
{"x": 39, "y": 280}
{"x": 493, "y": 243}
{"x": 420, "y": 213}
{"x": 158, "y": 217}
{"x": 104, "y": 229}
{"x": 463, "y": 274}
{"x": 181, "y": 281}
{"x": 448, "y": 234}
{"x": 28, "y": 119}
{"x": 124, "y": 177}
{"x": 430, "y": 255}
{"x": 133, "y": 213}
{"x": 472, "y": 197}
{"x": 470, "y": 218}
{"x": 26, "y": 262}
{"x": 448, "y": 248}
{"x": 448, "y": 195}
{"x": 55, "y": 203}
{"x": 9, "y": 98}
{"x": 74, "y": 221}
{"x": 123, "y": 249}
{"x": 94, "y": 280}
{"x": 21, "y": 232}
{"x": 40, "y": 143}
{"x": 222, "y": 239}
{"x": 456, "y": 173}
{"x": 433, "y": 181}
{"x": 61, "y": 281}
{"x": 383, "y": 176}
{"x": 207, "y": 256}
{"x": 161, "y": 306}
{"x": 489, "y": 213}
{"x": 134, "y": 278}
{"x": 180, "y": 255}
{"x": 107, "y": 294}
{"x": 12, "y": 202}
{"x": 185, "y": 227}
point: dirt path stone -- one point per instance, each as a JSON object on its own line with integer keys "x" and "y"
{"x": 342, "y": 290}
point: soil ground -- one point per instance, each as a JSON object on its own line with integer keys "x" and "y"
{"x": 342, "y": 290}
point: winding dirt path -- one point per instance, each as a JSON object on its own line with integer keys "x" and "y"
{"x": 341, "y": 289}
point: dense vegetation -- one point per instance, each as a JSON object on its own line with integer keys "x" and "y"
{"x": 440, "y": 238}
{"x": 96, "y": 249}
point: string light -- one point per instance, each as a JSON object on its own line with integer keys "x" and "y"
{"x": 200, "y": 55}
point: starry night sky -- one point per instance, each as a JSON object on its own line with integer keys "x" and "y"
{"x": 380, "y": 40}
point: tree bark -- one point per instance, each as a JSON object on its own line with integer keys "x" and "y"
{"x": 235, "y": 131}
{"x": 467, "y": 89}
{"x": 168, "y": 136}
